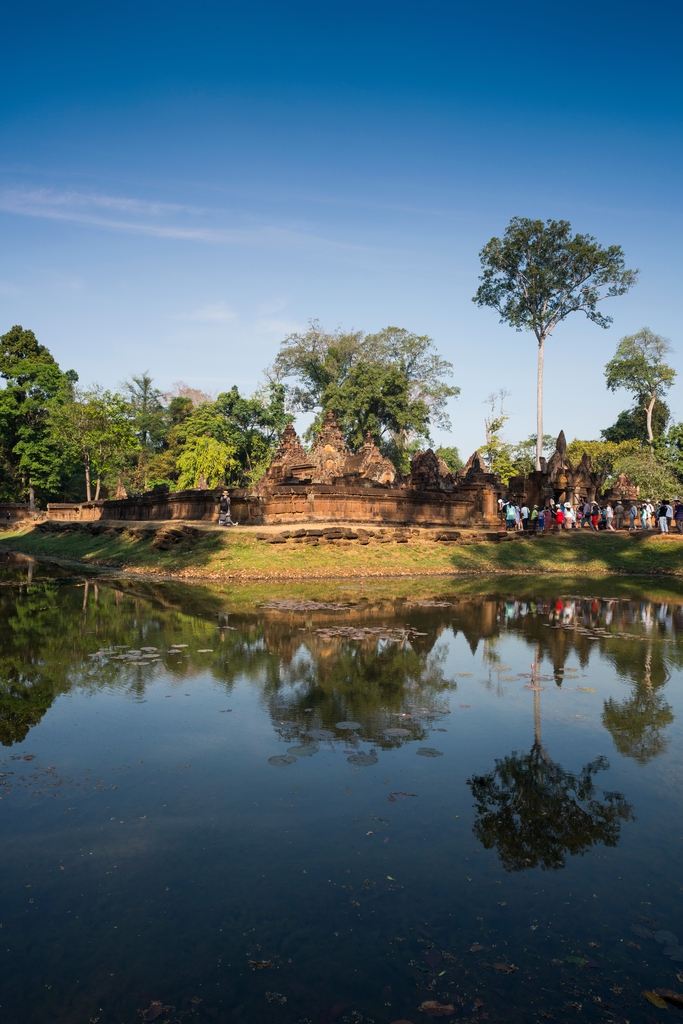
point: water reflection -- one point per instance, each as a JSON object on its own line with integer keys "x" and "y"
{"x": 152, "y": 852}
{"x": 534, "y": 812}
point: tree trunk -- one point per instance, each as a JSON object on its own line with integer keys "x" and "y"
{"x": 539, "y": 404}
{"x": 88, "y": 492}
{"x": 97, "y": 488}
{"x": 648, "y": 413}
{"x": 31, "y": 496}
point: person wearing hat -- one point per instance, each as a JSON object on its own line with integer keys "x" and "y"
{"x": 224, "y": 518}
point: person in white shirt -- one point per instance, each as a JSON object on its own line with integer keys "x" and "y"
{"x": 525, "y": 513}
{"x": 610, "y": 518}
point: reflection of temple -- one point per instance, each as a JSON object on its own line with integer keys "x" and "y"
{"x": 560, "y": 479}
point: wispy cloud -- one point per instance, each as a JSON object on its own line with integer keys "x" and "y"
{"x": 270, "y": 326}
{"x": 166, "y": 220}
{"x": 214, "y": 313}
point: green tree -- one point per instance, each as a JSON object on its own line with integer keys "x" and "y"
{"x": 451, "y": 456}
{"x": 524, "y": 452}
{"x": 538, "y": 274}
{"x": 655, "y": 477}
{"x": 604, "y": 455}
{"x": 150, "y": 420}
{"x": 35, "y": 385}
{"x": 638, "y": 366}
{"x": 377, "y": 399}
{"x": 94, "y": 427}
{"x": 497, "y": 452}
{"x": 248, "y": 427}
{"x": 631, "y": 424}
{"x": 393, "y": 383}
{"x": 204, "y": 456}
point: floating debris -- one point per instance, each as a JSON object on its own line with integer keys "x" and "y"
{"x": 261, "y": 965}
{"x": 370, "y": 632}
{"x": 305, "y": 606}
{"x": 276, "y": 997}
{"x": 282, "y": 760}
{"x": 362, "y": 760}
{"x": 154, "y": 1010}
{"x": 429, "y": 752}
{"x": 304, "y": 751}
{"x": 347, "y": 725}
{"x": 205, "y": 650}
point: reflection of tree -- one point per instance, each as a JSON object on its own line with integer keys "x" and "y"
{"x": 535, "y": 813}
{"x": 637, "y": 724}
{"x": 365, "y": 681}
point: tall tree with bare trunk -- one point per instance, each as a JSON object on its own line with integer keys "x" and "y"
{"x": 638, "y": 366}
{"x": 538, "y": 274}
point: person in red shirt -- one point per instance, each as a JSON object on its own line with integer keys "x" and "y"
{"x": 559, "y": 517}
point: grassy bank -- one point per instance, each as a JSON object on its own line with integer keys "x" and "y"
{"x": 186, "y": 551}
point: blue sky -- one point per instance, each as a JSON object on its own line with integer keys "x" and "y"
{"x": 182, "y": 184}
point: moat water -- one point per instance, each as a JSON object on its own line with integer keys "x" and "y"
{"x": 341, "y": 802}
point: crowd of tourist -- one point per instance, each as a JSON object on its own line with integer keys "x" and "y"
{"x": 594, "y": 515}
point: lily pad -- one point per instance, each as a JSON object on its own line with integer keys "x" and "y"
{"x": 429, "y": 752}
{"x": 397, "y": 732}
{"x": 347, "y": 725}
{"x": 304, "y": 751}
{"x": 668, "y": 937}
{"x": 282, "y": 760}
{"x": 362, "y": 760}
{"x": 319, "y": 734}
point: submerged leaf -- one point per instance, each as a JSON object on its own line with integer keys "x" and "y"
{"x": 281, "y": 760}
{"x": 394, "y": 797}
{"x": 302, "y": 751}
{"x": 429, "y": 752}
{"x": 668, "y": 937}
{"x": 347, "y": 725}
{"x": 436, "y": 1009}
{"x": 675, "y": 998}
{"x": 397, "y": 732}
{"x": 655, "y": 999}
{"x": 261, "y": 965}
{"x": 362, "y": 760}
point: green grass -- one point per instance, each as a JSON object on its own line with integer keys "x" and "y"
{"x": 238, "y": 554}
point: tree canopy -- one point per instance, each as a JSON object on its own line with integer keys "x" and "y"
{"x": 393, "y": 383}
{"x": 34, "y": 386}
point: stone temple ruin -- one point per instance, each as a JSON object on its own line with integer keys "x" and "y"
{"x": 332, "y": 484}
{"x": 561, "y": 480}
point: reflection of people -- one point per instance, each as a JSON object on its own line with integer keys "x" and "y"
{"x": 224, "y": 518}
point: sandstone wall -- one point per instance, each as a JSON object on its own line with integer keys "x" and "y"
{"x": 473, "y": 505}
